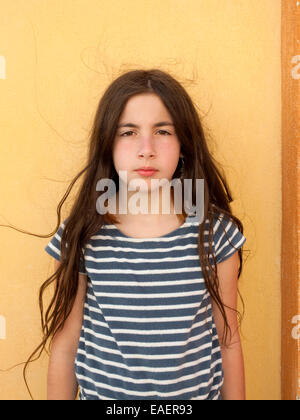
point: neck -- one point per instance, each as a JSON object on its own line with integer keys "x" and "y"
{"x": 146, "y": 208}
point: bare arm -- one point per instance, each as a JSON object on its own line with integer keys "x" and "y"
{"x": 232, "y": 356}
{"x": 62, "y": 384}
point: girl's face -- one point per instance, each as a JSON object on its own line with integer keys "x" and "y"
{"x": 146, "y": 137}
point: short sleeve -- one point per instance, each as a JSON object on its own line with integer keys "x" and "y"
{"x": 227, "y": 238}
{"x": 53, "y": 248}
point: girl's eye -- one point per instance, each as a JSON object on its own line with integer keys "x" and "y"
{"x": 123, "y": 135}
{"x": 164, "y": 132}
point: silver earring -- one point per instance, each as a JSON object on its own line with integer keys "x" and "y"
{"x": 182, "y": 167}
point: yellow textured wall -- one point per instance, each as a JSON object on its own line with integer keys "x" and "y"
{"x": 56, "y": 58}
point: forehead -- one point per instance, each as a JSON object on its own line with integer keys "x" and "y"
{"x": 144, "y": 106}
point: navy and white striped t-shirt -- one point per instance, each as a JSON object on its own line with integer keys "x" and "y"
{"x": 148, "y": 331}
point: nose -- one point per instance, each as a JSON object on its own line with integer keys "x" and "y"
{"x": 146, "y": 148}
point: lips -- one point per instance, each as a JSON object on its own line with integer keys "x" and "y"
{"x": 146, "y": 171}
{"x": 146, "y": 168}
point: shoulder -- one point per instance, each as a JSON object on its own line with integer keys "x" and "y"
{"x": 227, "y": 235}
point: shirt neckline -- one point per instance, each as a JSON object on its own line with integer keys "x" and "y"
{"x": 172, "y": 233}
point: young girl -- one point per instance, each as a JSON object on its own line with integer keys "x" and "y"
{"x": 145, "y": 304}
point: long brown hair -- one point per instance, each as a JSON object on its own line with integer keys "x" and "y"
{"x": 84, "y": 221}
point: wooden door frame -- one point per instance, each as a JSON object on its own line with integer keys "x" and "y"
{"x": 290, "y": 255}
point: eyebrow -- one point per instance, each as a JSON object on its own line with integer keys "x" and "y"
{"x": 159, "y": 124}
